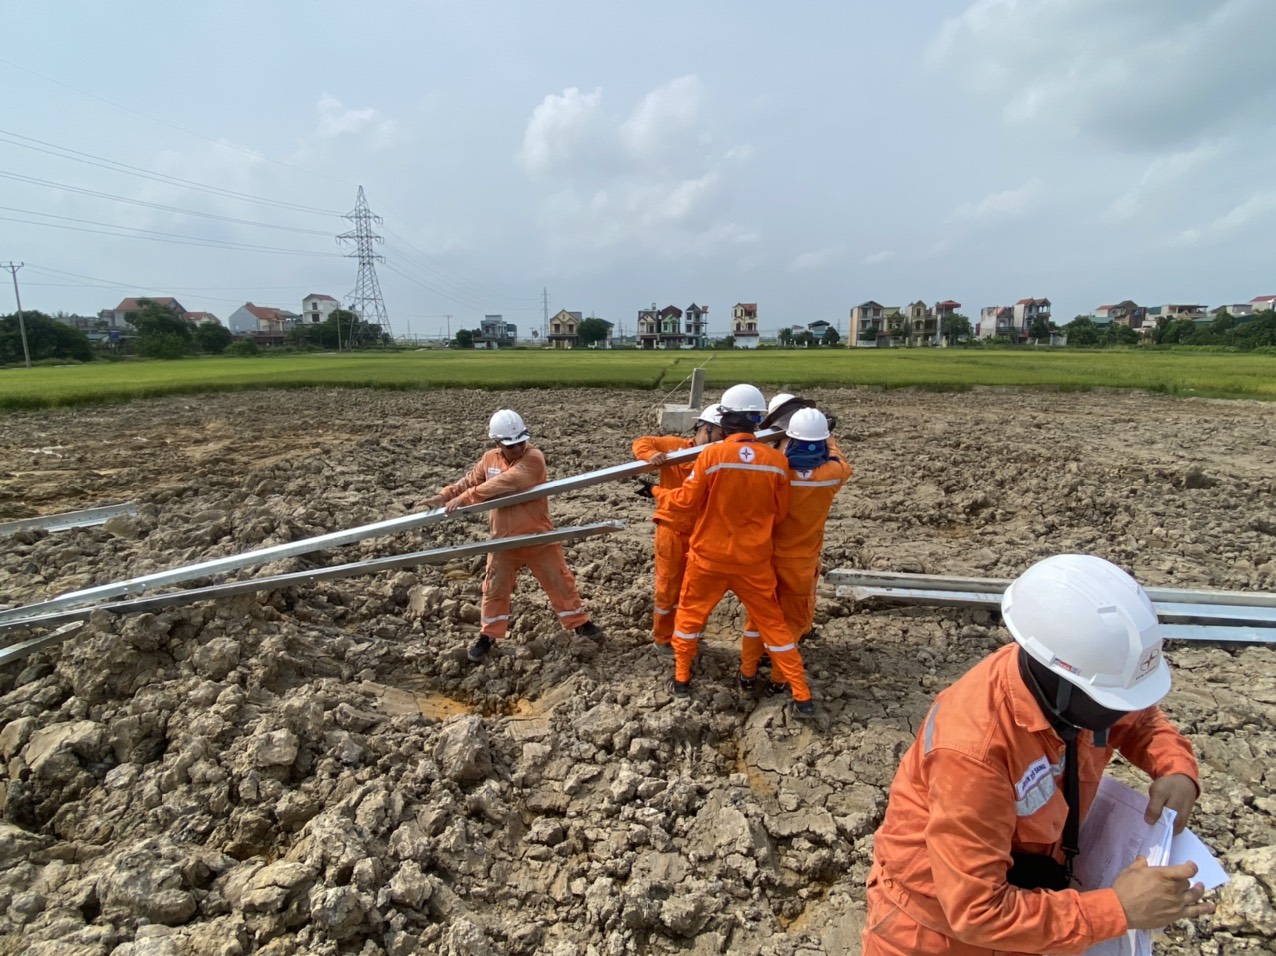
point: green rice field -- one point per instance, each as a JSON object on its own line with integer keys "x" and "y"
{"x": 1185, "y": 373}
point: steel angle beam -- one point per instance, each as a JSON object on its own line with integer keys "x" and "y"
{"x": 936, "y": 598}
{"x": 1188, "y": 622}
{"x": 69, "y": 519}
{"x": 231, "y": 589}
{"x": 1223, "y": 635}
{"x": 336, "y": 539}
{"x": 16, "y": 652}
{"x": 941, "y": 582}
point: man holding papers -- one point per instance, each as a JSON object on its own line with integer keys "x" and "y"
{"x": 975, "y": 853}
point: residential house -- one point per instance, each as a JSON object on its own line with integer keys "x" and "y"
{"x": 648, "y": 327}
{"x": 923, "y": 327}
{"x": 251, "y": 319}
{"x": 1126, "y": 312}
{"x": 1027, "y": 313}
{"x": 1238, "y": 311}
{"x": 669, "y": 328}
{"x": 697, "y": 326}
{"x": 316, "y": 307}
{"x": 202, "y": 318}
{"x": 1175, "y": 311}
{"x": 997, "y": 321}
{"x": 744, "y": 325}
{"x": 564, "y": 328}
{"x": 116, "y": 317}
{"x": 870, "y": 323}
{"x": 495, "y": 333}
{"x": 1263, "y": 303}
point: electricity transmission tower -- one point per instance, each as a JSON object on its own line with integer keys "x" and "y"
{"x": 365, "y": 301}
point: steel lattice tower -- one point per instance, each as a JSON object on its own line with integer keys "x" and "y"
{"x": 365, "y": 300}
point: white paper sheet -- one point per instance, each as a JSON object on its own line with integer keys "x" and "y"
{"x": 1114, "y": 834}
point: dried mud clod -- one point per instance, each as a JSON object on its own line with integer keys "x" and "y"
{"x": 320, "y": 769}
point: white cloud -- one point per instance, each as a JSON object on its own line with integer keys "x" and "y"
{"x": 664, "y": 118}
{"x": 1233, "y": 221}
{"x": 817, "y": 259}
{"x": 335, "y": 119}
{"x": 633, "y": 183}
{"x": 1007, "y": 204}
{"x": 1133, "y": 74}
{"x": 884, "y": 255}
{"x": 1163, "y": 174}
{"x": 558, "y": 125}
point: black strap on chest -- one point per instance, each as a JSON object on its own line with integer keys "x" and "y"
{"x": 1072, "y": 794}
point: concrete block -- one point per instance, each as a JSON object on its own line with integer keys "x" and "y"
{"x": 678, "y": 419}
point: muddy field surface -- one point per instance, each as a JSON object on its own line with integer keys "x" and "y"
{"x": 319, "y": 769}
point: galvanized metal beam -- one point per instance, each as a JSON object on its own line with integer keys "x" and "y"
{"x": 336, "y": 539}
{"x": 943, "y": 582}
{"x": 394, "y": 562}
{"x": 69, "y": 519}
{"x": 1195, "y": 622}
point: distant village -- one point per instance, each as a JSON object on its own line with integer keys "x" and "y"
{"x": 869, "y": 324}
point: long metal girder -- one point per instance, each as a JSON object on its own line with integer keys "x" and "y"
{"x": 69, "y": 519}
{"x": 944, "y": 582}
{"x": 1200, "y": 622}
{"x": 394, "y": 562}
{"x": 335, "y": 539}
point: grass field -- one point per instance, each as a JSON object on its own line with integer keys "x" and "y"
{"x": 1231, "y": 375}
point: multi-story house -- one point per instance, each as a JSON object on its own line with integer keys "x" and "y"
{"x": 495, "y": 333}
{"x": 866, "y": 322}
{"x": 563, "y": 329}
{"x": 744, "y": 325}
{"x": 316, "y": 307}
{"x": 1027, "y": 312}
{"x": 995, "y": 321}
{"x": 648, "y": 327}
{"x": 697, "y": 326}
{"x": 1262, "y": 303}
{"x": 1126, "y": 312}
{"x": 669, "y": 328}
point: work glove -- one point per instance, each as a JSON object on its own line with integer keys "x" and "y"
{"x": 644, "y": 489}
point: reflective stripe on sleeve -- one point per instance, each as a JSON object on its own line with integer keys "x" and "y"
{"x": 928, "y": 734}
{"x": 816, "y": 484}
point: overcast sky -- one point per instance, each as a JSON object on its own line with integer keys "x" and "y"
{"x": 807, "y": 157}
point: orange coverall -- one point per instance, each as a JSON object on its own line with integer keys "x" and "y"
{"x": 984, "y": 777}
{"x": 796, "y": 549}
{"x": 672, "y": 536}
{"x": 737, "y": 492}
{"x": 494, "y": 477}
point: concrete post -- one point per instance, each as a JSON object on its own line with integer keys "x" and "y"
{"x": 697, "y": 389}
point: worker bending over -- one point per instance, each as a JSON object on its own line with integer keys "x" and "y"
{"x": 511, "y": 466}
{"x": 673, "y": 533}
{"x": 975, "y": 853}
{"x": 817, "y": 471}
{"x": 737, "y": 493}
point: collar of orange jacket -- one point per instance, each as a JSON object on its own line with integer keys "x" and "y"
{"x": 739, "y": 437}
{"x": 1023, "y": 703}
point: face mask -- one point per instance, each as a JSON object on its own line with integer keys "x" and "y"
{"x": 1062, "y": 701}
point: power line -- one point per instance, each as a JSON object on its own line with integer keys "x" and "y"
{"x": 154, "y": 205}
{"x": 463, "y": 286}
{"x": 152, "y": 234}
{"x": 75, "y": 155}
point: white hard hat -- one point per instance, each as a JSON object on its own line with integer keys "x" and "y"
{"x": 506, "y": 427}
{"x": 712, "y": 415}
{"x": 808, "y": 424}
{"x": 743, "y": 398}
{"x": 778, "y": 401}
{"x": 1093, "y": 625}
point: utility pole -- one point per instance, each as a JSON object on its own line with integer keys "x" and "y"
{"x": 544, "y": 313}
{"x": 13, "y": 267}
{"x": 448, "y": 318}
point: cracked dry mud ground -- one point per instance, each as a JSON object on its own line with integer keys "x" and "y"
{"x": 319, "y": 770}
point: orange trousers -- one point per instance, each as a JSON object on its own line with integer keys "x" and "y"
{"x": 795, "y": 581}
{"x": 703, "y": 587}
{"x": 671, "y": 565}
{"x": 549, "y": 567}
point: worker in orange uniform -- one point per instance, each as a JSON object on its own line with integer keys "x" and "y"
{"x": 511, "y": 466}
{"x": 737, "y": 493}
{"x": 817, "y": 471}
{"x": 975, "y": 853}
{"x": 673, "y": 533}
